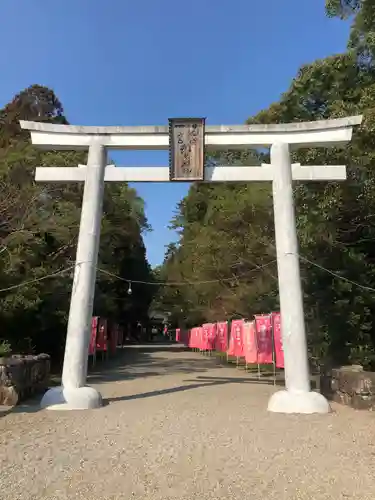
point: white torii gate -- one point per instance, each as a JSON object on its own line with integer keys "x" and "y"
{"x": 298, "y": 397}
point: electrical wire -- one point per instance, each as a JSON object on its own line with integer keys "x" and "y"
{"x": 181, "y": 283}
{"x": 36, "y": 280}
{"x": 61, "y": 271}
{"x": 364, "y": 287}
{"x": 184, "y": 283}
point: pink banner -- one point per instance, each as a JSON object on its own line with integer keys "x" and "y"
{"x": 250, "y": 342}
{"x": 204, "y": 341}
{"x": 211, "y": 336}
{"x": 200, "y": 338}
{"x": 191, "y": 338}
{"x": 263, "y": 325}
{"x": 94, "y": 329}
{"x": 102, "y": 338}
{"x": 178, "y": 334}
{"x": 221, "y": 340}
{"x": 195, "y": 338}
{"x": 208, "y": 336}
{"x": 236, "y": 339}
{"x": 278, "y": 340}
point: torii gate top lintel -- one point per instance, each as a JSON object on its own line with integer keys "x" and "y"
{"x": 297, "y": 134}
{"x": 335, "y": 132}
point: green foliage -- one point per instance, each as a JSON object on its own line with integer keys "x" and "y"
{"x": 5, "y": 348}
{"x": 362, "y": 35}
{"x": 38, "y": 235}
{"x": 227, "y": 230}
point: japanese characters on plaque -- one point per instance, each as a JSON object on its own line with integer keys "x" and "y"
{"x": 186, "y": 142}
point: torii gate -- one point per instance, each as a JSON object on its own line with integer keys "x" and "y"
{"x": 186, "y": 140}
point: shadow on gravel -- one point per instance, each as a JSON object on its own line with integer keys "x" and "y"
{"x": 116, "y": 369}
{"x": 249, "y": 379}
{"x": 146, "y": 370}
{"x": 31, "y": 406}
{"x": 199, "y": 382}
{"x": 146, "y": 361}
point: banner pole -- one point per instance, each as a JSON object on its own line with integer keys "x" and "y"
{"x": 274, "y": 373}
{"x": 228, "y": 338}
{"x": 273, "y": 351}
{"x": 256, "y": 334}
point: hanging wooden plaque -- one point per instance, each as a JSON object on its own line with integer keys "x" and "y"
{"x": 186, "y": 149}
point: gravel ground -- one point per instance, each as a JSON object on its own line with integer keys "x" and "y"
{"x": 178, "y": 426}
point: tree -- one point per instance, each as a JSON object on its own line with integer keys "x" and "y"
{"x": 362, "y": 35}
{"x": 38, "y": 235}
{"x": 226, "y": 230}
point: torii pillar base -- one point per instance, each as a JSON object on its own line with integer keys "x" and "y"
{"x": 298, "y": 402}
{"x": 76, "y": 398}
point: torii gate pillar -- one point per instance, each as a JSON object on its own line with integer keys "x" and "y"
{"x": 298, "y": 397}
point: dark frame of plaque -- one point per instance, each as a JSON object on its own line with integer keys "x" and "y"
{"x": 186, "y": 149}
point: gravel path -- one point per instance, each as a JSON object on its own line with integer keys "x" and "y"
{"x": 179, "y": 426}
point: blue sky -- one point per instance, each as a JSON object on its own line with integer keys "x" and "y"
{"x": 119, "y": 62}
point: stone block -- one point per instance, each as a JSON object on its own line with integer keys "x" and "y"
{"x": 22, "y": 377}
{"x": 351, "y": 386}
{"x": 362, "y": 402}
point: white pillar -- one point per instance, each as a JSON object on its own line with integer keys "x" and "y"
{"x": 297, "y": 398}
{"x": 74, "y": 394}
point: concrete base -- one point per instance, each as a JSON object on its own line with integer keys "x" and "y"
{"x": 80, "y": 398}
{"x": 298, "y": 402}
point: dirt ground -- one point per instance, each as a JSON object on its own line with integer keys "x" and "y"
{"x": 177, "y": 425}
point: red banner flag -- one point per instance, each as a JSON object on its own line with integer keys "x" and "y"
{"x": 200, "y": 338}
{"x": 211, "y": 336}
{"x": 204, "y": 339}
{"x": 264, "y": 338}
{"x": 178, "y": 334}
{"x": 250, "y": 342}
{"x": 278, "y": 340}
{"x": 194, "y": 338}
{"x": 208, "y": 336}
{"x": 102, "y": 338}
{"x": 94, "y": 329}
{"x": 195, "y": 341}
{"x": 191, "y": 338}
{"x": 236, "y": 339}
{"x": 221, "y": 341}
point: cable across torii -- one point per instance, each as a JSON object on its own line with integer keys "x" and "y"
{"x": 187, "y": 140}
